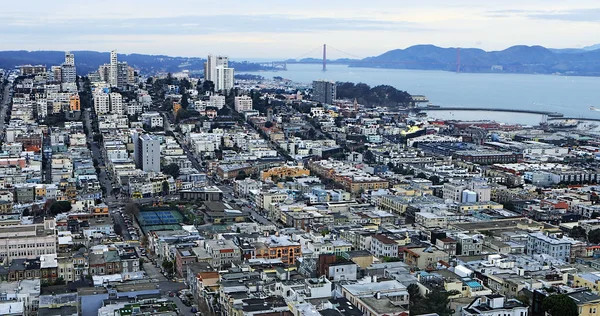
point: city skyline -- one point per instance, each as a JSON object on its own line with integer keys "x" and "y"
{"x": 270, "y": 29}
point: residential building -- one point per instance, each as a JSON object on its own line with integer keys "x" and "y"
{"x": 101, "y": 103}
{"x": 116, "y": 103}
{"x": 113, "y": 70}
{"x": 243, "y": 103}
{"x": 495, "y": 304}
{"x": 324, "y": 91}
{"x": 27, "y": 241}
{"x": 383, "y": 246}
{"x": 147, "y": 153}
{"x": 540, "y": 243}
{"x": 216, "y": 69}
{"x": 223, "y": 252}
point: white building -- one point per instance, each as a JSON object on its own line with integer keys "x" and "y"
{"x": 495, "y": 304}
{"x": 243, "y": 103}
{"x": 101, "y": 103}
{"x": 224, "y": 79}
{"x": 559, "y": 248}
{"x": 152, "y": 119}
{"x": 382, "y": 246}
{"x": 211, "y": 64}
{"x": 116, "y": 103}
{"x": 113, "y": 70}
{"x": 27, "y": 241}
{"x": 217, "y": 101}
{"x": 147, "y": 153}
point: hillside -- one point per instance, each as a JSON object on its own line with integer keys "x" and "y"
{"x": 515, "y": 59}
{"x": 87, "y": 61}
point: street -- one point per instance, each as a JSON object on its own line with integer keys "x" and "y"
{"x": 6, "y": 99}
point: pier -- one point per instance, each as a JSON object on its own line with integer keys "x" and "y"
{"x": 550, "y": 115}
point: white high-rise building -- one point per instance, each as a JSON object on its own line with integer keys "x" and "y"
{"x": 116, "y": 103}
{"x": 101, "y": 103}
{"x": 147, "y": 153}
{"x": 243, "y": 103}
{"x": 114, "y": 71}
{"x": 216, "y": 69}
{"x": 69, "y": 59}
{"x": 68, "y": 73}
{"x": 211, "y": 64}
{"x": 224, "y": 80}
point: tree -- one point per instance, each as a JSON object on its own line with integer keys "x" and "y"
{"x": 165, "y": 187}
{"x": 241, "y": 175}
{"x": 185, "y": 103}
{"x": 435, "y": 180}
{"x": 414, "y": 294}
{"x": 132, "y": 209}
{"x": 560, "y": 305}
{"x": 208, "y": 86}
{"x": 168, "y": 266}
{"x": 421, "y": 175}
{"x": 118, "y": 229}
{"x": 149, "y": 80}
{"x": 436, "y": 301}
{"x": 594, "y": 236}
{"x": 312, "y": 133}
{"x": 172, "y": 169}
{"x": 578, "y": 232}
{"x": 268, "y": 124}
{"x": 60, "y": 207}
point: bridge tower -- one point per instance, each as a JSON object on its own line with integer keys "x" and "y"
{"x": 324, "y": 57}
{"x": 458, "y": 59}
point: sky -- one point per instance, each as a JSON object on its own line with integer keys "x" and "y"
{"x": 258, "y": 29}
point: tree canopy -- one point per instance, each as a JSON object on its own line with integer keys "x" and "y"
{"x": 60, "y": 207}
{"x": 171, "y": 169}
{"x": 379, "y": 95}
{"x": 560, "y": 305}
{"x": 437, "y": 301}
{"x": 594, "y": 236}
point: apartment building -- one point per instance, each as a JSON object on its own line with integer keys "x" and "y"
{"x": 27, "y": 241}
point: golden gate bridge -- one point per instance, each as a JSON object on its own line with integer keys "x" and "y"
{"x": 356, "y": 60}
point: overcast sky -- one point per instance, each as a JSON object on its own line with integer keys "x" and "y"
{"x": 290, "y": 29}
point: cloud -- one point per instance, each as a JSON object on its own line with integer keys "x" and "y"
{"x": 187, "y": 25}
{"x": 577, "y": 15}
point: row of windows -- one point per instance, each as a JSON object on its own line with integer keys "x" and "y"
{"x": 31, "y": 245}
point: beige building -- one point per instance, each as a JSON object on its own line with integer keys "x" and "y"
{"x": 27, "y": 241}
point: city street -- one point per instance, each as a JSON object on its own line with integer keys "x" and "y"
{"x": 6, "y": 99}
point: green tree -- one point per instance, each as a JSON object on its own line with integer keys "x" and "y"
{"x": 560, "y": 305}
{"x": 594, "y": 236}
{"x": 171, "y": 169}
{"x": 437, "y": 301}
{"x": 185, "y": 103}
{"x": 578, "y": 232}
{"x": 421, "y": 175}
{"x": 414, "y": 294}
{"x": 268, "y": 124}
{"x": 435, "y": 180}
{"x": 165, "y": 187}
{"x": 60, "y": 207}
{"x": 208, "y": 86}
{"x": 241, "y": 175}
{"x": 168, "y": 266}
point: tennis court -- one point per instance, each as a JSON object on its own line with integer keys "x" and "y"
{"x": 151, "y": 218}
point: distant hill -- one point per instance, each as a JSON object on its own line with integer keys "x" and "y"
{"x": 87, "y": 61}
{"x": 515, "y": 59}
